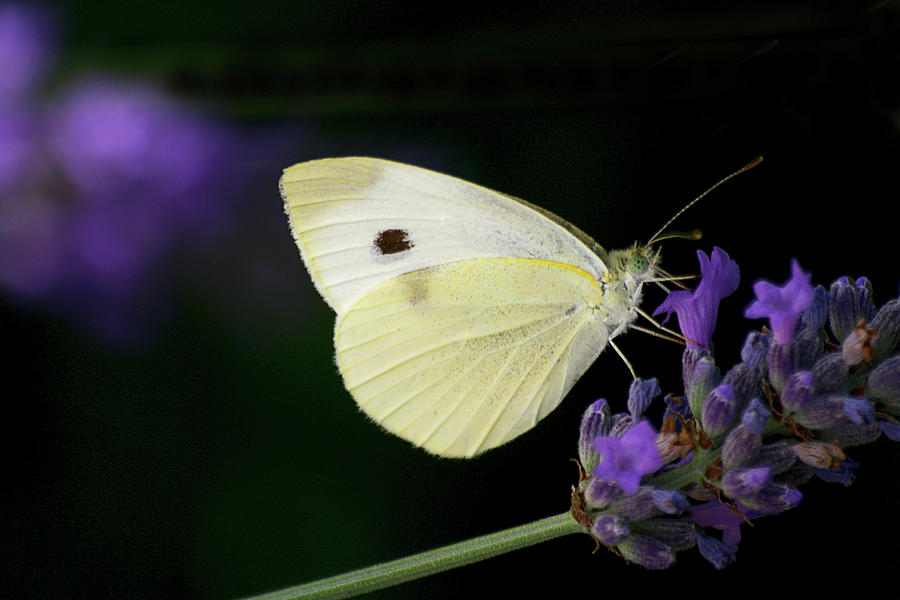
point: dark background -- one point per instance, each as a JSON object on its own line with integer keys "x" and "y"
{"x": 218, "y": 455}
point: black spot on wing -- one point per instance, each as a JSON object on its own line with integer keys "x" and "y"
{"x": 393, "y": 241}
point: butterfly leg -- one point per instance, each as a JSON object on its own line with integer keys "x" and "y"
{"x": 659, "y": 325}
{"x": 622, "y": 356}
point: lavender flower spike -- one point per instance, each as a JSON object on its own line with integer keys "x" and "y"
{"x": 737, "y": 447}
{"x": 782, "y": 305}
{"x": 697, "y": 310}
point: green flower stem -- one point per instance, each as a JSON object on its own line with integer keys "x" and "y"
{"x": 433, "y": 561}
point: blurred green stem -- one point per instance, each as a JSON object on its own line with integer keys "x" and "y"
{"x": 433, "y": 561}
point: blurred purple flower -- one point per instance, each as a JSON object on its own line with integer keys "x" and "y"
{"x": 782, "y": 305}
{"x": 111, "y": 138}
{"x": 25, "y": 48}
{"x": 26, "y": 45}
{"x": 697, "y": 310}
{"x": 18, "y": 147}
{"x": 628, "y": 458}
{"x": 100, "y": 184}
{"x": 147, "y": 173}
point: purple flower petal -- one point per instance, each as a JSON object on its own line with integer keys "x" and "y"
{"x": 697, "y": 310}
{"x": 717, "y": 515}
{"x": 625, "y": 460}
{"x": 782, "y": 305}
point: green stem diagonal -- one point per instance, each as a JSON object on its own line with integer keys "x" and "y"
{"x": 428, "y": 563}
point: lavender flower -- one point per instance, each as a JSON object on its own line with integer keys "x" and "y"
{"x": 99, "y": 184}
{"x": 625, "y": 460}
{"x": 782, "y": 305}
{"x": 697, "y": 310}
{"x": 785, "y": 413}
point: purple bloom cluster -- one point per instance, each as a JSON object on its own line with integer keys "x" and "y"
{"x": 823, "y": 377}
{"x": 98, "y": 182}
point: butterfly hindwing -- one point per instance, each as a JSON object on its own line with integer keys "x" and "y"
{"x": 462, "y": 357}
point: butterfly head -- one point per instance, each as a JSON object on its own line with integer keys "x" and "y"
{"x": 633, "y": 265}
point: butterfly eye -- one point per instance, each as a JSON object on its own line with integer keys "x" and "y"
{"x": 638, "y": 264}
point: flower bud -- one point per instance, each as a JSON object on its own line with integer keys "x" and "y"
{"x": 857, "y": 347}
{"x": 741, "y": 483}
{"x": 610, "y": 529}
{"x": 600, "y": 494}
{"x": 851, "y": 434}
{"x": 850, "y": 301}
{"x": 818, "y": 454}
{"x": 822, "y": 412}
{"x": 704, "y": 378}
{"x": 719, "y": 410}
{"x": 671, "y": 447}
{"x": 715, "y": 551}
{"x": 594, "y": 423}
{"x": 816, "y": 315}
{"x": 829, "y": 372}
{"x": 755, "y": 417}
{"x": 777, "y": 457}
{"x": 886, "y": 324}
{"x": 669, "y": 501}
{"x": 747, "y": 384}
{"x": 677, "y": 534}
{"x": 636, "y": 506}
{"x": 797, "y": 475}
{"x": 864, "y": 298}
{"x": 782, "y": 361}
{"x": 859, "y": 411}
{"x": 740, "y": 447}
{"x": 640, "y": 394}
{"x": 620, "y": 424}
{"x": 754, "y": 351}
{"x": 699, "y": 492}
{"x": 797, "y": 392}
{"x": 808, "y": 344}
{"x": 689, "y": 359}
{"x": 775, "y": 497}
{"x": 647, "y": 551}
{"x": 884, "y": 381}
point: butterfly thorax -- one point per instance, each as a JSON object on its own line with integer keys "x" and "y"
{"x": 622, "y": 286}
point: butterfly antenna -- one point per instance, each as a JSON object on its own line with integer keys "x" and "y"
{"x": 656, "y": 236}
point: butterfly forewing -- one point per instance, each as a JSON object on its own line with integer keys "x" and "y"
{"x": 362, "y": 221}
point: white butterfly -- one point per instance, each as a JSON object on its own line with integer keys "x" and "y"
{"x": 464, "y": 315}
